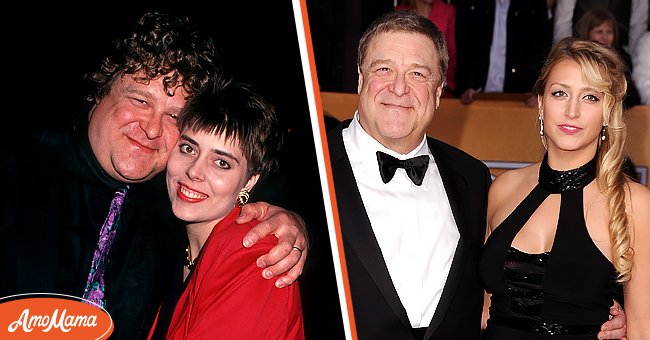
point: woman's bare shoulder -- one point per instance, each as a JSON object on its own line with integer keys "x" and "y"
{"x": 638, "y": 198}
{"x": 512, "y": 180}
{"x": 508, "y": 190}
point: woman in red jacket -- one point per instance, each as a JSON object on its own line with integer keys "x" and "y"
{"x": 229, "y": 138}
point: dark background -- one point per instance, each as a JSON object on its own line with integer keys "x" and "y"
{"x": 336, "y": 27}
{"x": 47, "y": 50}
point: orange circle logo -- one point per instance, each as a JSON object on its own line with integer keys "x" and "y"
{"x": 52, "y": 316}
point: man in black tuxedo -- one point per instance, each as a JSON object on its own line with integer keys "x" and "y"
{"x": 412, "y": 208}
{"x": 412, "y": 234}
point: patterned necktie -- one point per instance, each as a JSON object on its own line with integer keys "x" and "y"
{"x": 415, "y": 167}
{"x": 95, "y": 288}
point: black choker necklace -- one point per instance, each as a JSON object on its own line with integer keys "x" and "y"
{"x": 557, "y": 182}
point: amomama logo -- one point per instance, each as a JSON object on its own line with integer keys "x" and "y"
{"x": 52, "y": 316}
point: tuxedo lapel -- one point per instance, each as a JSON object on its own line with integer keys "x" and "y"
{"x": 356, "y": 228}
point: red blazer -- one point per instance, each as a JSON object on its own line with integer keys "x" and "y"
{"x": 227, "y": 298}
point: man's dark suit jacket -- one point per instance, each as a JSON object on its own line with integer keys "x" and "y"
{"x": 55, "y": 197}
{"x": 378, "y": 312}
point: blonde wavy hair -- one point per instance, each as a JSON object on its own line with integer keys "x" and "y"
{"x": 603, "y": 70}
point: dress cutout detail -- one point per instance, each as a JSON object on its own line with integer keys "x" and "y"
{"x": 561, "y": 294}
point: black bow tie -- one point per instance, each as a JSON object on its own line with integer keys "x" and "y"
{"x": 415, "y": 167}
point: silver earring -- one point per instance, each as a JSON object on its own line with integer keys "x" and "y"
{"x": 603, "y": 133}
{"x": 541, "y": 125}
